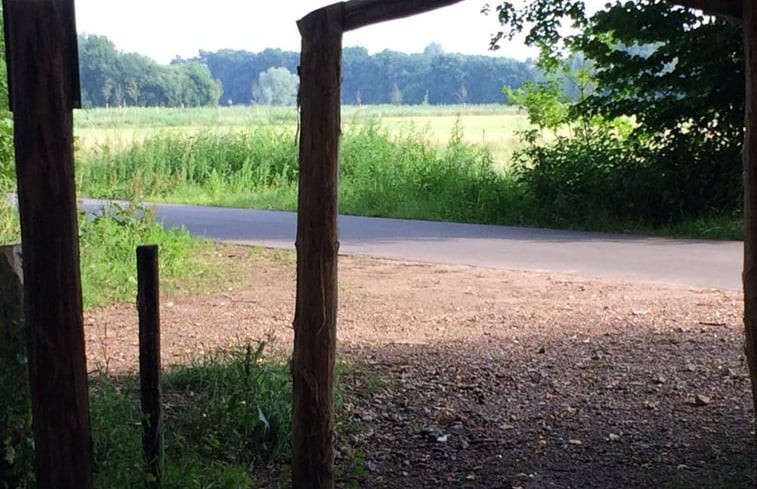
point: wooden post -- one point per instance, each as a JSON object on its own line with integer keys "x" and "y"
{"x": 42, "y": 65}
{"x": 148, "y": 305}
{"x": 317, "y": 243}
{"x": 317, "y": 247}
{"x": 750, "y": 192}
{"x": 11, "y": 340}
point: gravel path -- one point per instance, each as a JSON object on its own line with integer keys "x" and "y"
{"x": 489, "y": 378}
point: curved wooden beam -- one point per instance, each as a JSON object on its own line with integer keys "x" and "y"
{"x": 361, "y": 13}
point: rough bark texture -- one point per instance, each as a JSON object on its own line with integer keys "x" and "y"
{"x": 11, "y": 324}
{"x": 11, "y": 292}
{"x": 317, "y": 246}
{"x": 148, "y": 306}
{"x": 41, "y": 70}
{"x": 360, "y": 13}
{"x": 750, "y": 193}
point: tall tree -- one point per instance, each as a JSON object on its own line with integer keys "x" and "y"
{"x": 98, "y": 69}
{"x": 678, "y": 74}
{"x": 110, "y": 77}
{"x": 276, "y": 86}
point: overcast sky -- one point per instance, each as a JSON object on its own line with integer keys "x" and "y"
{"x": 163, "y": 29}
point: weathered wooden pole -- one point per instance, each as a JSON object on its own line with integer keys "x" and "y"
{"x": 749, "y": 20}
{"x": 148, "y": 306}
{"x": 11, "y": 341}
{"x": 43, "y": 82}
{"x": 317, "y": 247}
{"x": 11, "y": 292}
{"x": 317, "y": 243}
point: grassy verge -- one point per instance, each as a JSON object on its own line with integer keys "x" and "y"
{"x": 227, "y": 420}
{"x": 227, "y": 424}
{"x": 227, "y": 414}
{"x": 381, "y": 174}
{"x": 108, "y": 241}
{"x": 107, "y": 248}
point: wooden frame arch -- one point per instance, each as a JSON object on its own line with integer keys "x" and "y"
{"x": 317, "y": 238}
{"x": 42, "y": 82}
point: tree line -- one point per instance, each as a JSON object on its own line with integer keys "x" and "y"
{"x": 388, "y": 77}
{"x": 110, "y": 77}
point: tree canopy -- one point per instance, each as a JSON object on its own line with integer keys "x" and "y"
{"x": 674, "y": 74}
{"x": 110, "y": 77}
{"x": 432, "y": 76}
{"x": 276, "y": 86}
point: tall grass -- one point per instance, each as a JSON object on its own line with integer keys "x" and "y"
{"x": 227, "y": 417}
{"x": 108, "y": 241}
{"x": 205, "y": 167}
{"x": 494, "y": 126}
{"x": 166, "y": 117}
{"x": 394, "y": 163}
{"x": 381, "y": 174}
{"x": 10, "y": 230}
{"x": 404, "y": 176}
{"x": 107, "y": 244}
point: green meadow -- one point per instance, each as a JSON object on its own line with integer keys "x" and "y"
{"x": 441, "y": 163}
{"x": 493, "y": 126}
{"x": 452, "y": 163}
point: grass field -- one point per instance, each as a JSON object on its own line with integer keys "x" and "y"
{"x": 493, "y": 126}
{"x": 441, "y": 163}
{"x": 419, "y": 162}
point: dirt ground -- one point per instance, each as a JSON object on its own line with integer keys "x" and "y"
{"x": 491, "y": 378}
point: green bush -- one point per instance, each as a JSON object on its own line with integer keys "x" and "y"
{"x": 108, "y": 241}
{"x": 603, "y": 179}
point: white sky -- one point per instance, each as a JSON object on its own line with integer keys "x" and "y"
{"x": 162, "y": 29}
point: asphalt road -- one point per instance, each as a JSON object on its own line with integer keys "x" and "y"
{"x": 698, "y": 263}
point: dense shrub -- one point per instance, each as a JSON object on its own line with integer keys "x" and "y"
{"x": 603, "y": 177}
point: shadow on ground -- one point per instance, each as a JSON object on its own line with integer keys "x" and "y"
{"x": 646, "y": 410}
